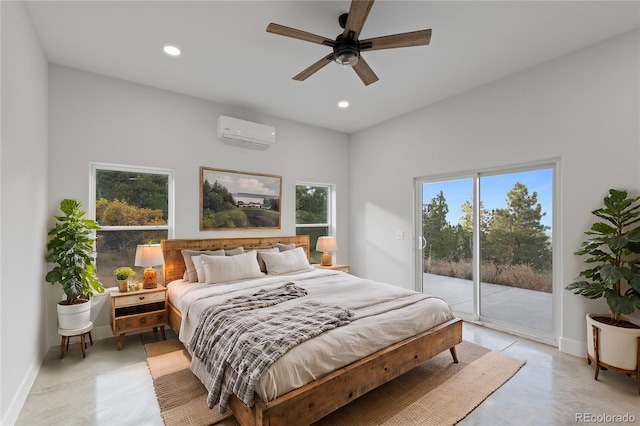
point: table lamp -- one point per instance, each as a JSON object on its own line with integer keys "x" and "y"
{"x": 149, "y": 255}
{"x": 326, "y": 245}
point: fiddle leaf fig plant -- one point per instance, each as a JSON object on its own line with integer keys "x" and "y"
{"x": 71, "y": 248}
{"x": 612, "y": 253}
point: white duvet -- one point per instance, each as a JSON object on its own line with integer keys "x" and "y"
{"x": 383, "y": 315}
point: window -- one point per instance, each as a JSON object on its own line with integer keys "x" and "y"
{"x": 133, "y": 206}
{"x": 314, "y": 213}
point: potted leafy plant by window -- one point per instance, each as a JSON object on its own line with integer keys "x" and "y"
{"x": 123, "y": 274}
{"x": 71, "y": 249}
{"x": 612, "y": 249}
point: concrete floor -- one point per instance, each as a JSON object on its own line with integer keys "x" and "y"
{"x": 112, "y": 387}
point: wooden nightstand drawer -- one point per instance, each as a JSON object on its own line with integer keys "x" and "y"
{"x": 138, "y": 321}
{"x": 138, "y": 299}
{"x": 138, "y": 310}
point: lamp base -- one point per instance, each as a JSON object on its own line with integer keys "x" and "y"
{"x": 326, "y": 260}
{"x": 150, "y": 279}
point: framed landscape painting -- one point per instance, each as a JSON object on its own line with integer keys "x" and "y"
{"x": 230, "y": 199}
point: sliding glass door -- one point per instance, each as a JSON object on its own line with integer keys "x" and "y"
{"x": 447, "y": 243}
{"x": 485, "y": 245}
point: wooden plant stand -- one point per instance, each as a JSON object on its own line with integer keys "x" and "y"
{"x": 600, "y": 365}
{"x": 67, "y": 334}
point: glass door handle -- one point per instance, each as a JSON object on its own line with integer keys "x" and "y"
{"x": 423, "y": 242}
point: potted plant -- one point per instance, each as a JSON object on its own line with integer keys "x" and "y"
{"x": 123, "y": 274}
{"x": 612, "y": 249}
{"x": 71, "y": 249}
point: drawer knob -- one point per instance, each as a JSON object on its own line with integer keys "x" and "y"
{"x": 141, "y": 297}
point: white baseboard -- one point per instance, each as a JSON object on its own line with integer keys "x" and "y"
{"x": 102, "y": 332}
{"x": 98, "y": 333}
{"x": 573, "y": 347}
{"x": 15, "y": 406}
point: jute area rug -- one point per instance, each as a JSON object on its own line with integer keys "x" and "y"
{"x": 436, "y": 393}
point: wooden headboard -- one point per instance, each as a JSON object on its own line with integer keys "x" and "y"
{"x": 174, "y": 266}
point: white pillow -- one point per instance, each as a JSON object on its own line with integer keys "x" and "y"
{"x": 263, "y": 267}
{"x": 197, "y": 265}
{"x": 218, "y": 269}
{"x": 190, "y": 271}
{"x": 286, "y": 261}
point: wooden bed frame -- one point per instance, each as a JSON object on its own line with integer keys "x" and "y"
{"x": 315, "y": 400}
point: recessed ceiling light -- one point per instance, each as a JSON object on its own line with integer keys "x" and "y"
{"x": 171, "y": 50}
{"x": 343, "y": 104}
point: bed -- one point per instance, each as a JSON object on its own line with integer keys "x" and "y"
{"x": 335, "y": 383}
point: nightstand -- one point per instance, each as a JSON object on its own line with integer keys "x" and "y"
{"x": 343, "y": 268}
{"x": 137, "y": 310}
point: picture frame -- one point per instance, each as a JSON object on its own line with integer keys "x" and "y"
{"x": 231, "y": 199}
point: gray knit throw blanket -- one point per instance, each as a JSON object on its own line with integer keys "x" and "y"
{"x": 238, "y": 339}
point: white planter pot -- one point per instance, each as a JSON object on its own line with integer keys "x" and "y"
{"x": 618, "y": 347}
{"x": 72, "y": 317}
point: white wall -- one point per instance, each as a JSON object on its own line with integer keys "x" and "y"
{"x": 23, "y": 187}
{"x": 98, "y": 119}
{"x": 582, "y": 108}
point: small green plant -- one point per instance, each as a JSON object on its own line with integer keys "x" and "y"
{"x": 71, "y": 248}
{"x": 123, "y": 273}
{"x": 612, "y": 249}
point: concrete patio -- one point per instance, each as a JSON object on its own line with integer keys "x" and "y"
{"x": 525, "y": 308}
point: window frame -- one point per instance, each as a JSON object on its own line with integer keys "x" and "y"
{"x": 331, "y": 210}
{"x": 169, "y": 227}
{"x": 94, "y": 167}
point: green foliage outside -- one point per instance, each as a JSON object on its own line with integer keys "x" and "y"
{"x": 128, "y": 199}
{"x": 134, "y": 189}
{"x": 119, "y": 213}
{"x": 220, "y": 210}
{"x": 515, "y": 248}
{"x": 311, "y": 209}
{"x": 311, "y": 205}
{"x": 118, "y": 247}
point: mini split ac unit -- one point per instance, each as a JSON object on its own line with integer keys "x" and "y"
{"x": 246, "y": 134}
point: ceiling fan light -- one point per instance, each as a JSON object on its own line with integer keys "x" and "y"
{"x": 346, "y": 51}
{"x": 346, "y": 58}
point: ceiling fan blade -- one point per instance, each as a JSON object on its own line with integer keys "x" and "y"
{"x": 299, "y": 34}
{"x": 314, "y": 68}
{"x": 365, "y": 72}
{"x": 358, "y": 13}
{"x": 414, "y": 38}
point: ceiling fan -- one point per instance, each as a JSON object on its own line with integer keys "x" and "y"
{"x": 347, "y": 46}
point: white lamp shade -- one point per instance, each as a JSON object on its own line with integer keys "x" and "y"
{"x": 326, "y": 244}
{"x": 149, "y": 255}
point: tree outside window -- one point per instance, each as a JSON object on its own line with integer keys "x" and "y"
{"x": 132, "y": 206}
{"x": 313, "y": 214}
{"x": 515, "y": 244}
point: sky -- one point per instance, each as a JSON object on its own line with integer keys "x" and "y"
{"x": 493, "y": 192}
